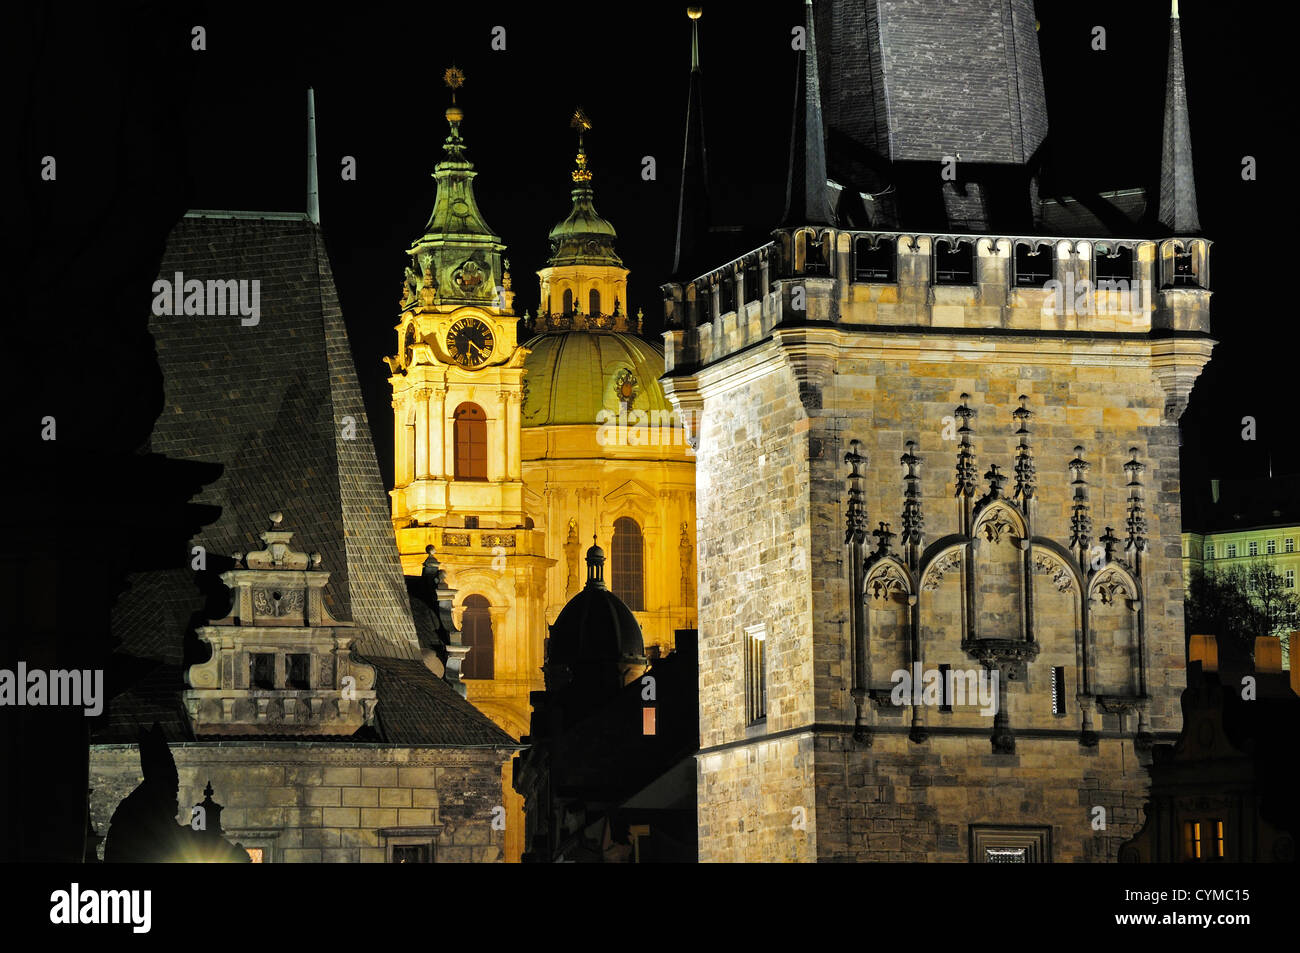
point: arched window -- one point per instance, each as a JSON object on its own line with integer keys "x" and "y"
{"x": 593, "y": 303}
{"x": 476, "y": 632}
{"x": 471, "y": 442}
{"x": 627, "y": 569}
{"x": 568, "y": 301}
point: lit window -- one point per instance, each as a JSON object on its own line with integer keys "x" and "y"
{"x": 1252, "y": 548}
{"x": 1232, "y": 550}
{"x": 1270, "y": 547}
{"x": 647, "y": 721}
{"x": 1217, "y": 826}
{"x": 755, "y": 673}
{"x": 1058, "y": 690}
{"x": 627, "y": 568}
{"x": 1289, "y": 545}
{"x": 471, "y": 442}
{"x": 1191, "y": 840}
{"x": 1290, "y": 578}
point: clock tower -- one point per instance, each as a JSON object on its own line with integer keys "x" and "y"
{"x": 457, "y": 383}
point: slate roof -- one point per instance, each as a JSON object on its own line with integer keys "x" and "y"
{"x": 916, "y": 80}
{"x": 278, "y": 404}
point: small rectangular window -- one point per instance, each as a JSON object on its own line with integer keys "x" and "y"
{"x": 1113, "y": 265}
{"x": 874, "y": 263}
{"x": 1290, "y": 578}
{"x": 471, "y": 522}
{"x": 1232, "y": 550}
{"x": 1252, "y": 548}
{"x": 298, "y": 673}
{"x": 1270, "y": 547}
{"x": 647, "y": 721}
{"x": 945, "y": 696}
{"x": 755, "y": 673}
{"x": 1289, "y": 546}
{"x": 1058, "y": 690}
{"x": 1217, "y": 827}
{"x": 261, "y": 671}
{"x": 1209, "y": 550}
{"x": 1191, "y": 840}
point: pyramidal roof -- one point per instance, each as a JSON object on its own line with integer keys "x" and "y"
{"x": 278, "y": 404}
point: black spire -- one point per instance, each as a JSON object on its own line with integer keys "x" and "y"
{"x": 1177, "y": 209}
{"x": 693, "y": 201}
{"x": 805, "y": 194}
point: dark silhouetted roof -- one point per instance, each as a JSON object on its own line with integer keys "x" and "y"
{"x": 277, "y": 404}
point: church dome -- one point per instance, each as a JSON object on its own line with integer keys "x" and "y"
{"x": 584, "y": 237}
{"x": 595, "y": 630}
{"x": 573, "y": 375}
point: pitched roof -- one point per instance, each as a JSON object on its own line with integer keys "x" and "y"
{"x": 278, "y": 404}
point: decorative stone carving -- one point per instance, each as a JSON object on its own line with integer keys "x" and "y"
{"x": 499, "y": 539}
{"x": 1025, "y": 473}
{"x": 279, "y": 631}
{"x": 1049, "y": 564}
{"x": 965, "y": 471}
{"x": 455, "y": 539}
{"x": 940, "y": 567}
{"x": 884, "y": 581}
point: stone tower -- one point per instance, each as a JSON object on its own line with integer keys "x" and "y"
{"x": 949, "y": 626}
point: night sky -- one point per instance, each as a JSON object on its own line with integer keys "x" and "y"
{"x": 377, "y": 73}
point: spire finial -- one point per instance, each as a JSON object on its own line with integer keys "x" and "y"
{"x": 695, "y": 13}
{"x": 454, "y": 78}
{"x": 313, "y": 191}
{"x": 581, "y": 123}
{"x": 1177, "y": 205}
{"x": 805, "y": 196}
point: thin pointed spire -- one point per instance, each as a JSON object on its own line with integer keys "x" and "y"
{"x": 693, "y": 200}
{"x": 313, "y": 190}
{"x": 1177, "y": 209}
{"x": 805, "y": 195}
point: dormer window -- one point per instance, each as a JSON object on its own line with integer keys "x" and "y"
{"x": 298, "y": 672}
{"x": 261, "y": 671}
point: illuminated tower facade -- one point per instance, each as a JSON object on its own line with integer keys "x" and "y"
{"x": 457, "y": 382}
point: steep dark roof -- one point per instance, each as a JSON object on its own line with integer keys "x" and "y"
{"x": 278, "y": 404}
{"x": 916, "y": 80}
{"x": 1177, "y": 183}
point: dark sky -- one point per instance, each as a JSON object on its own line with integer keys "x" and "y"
{"x": 379, "y": 94}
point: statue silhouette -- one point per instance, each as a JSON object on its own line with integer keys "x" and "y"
{"x": 143, "y": 828}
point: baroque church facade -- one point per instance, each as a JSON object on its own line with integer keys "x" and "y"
{"x": 516, "y": 450}
{"x": 953, "y": 469}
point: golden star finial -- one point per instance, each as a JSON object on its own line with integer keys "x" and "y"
{"x": 454, "y": 79}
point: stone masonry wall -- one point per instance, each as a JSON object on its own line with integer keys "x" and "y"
{"x": 311, "y": 802}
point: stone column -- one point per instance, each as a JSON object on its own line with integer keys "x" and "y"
{"x": 513, "y": 401}
{"x": 437, "y": 407}
{"x": 497, "y": 437}
{"x": 399, "y": 428}
{"x": 422, "y": 434}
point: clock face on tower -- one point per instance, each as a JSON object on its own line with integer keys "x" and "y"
{"x": 469, "y": 342}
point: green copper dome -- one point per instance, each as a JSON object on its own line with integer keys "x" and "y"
{"x": 573, "y": 375}
{"x": 584, "y": 237}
